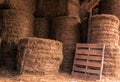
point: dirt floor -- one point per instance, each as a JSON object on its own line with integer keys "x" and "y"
{"x": 10, "y": 76}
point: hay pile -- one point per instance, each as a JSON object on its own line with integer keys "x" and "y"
{"x": 15, "y": 24}
{"x": 39, "y": 56}
{"x": 110, "y": 7}
{"x": 53, "y": 8}
{"x": 66, "y": 30}
{"x": 24, "y": 5}
{"x": 41, "y": 28}
{"x": 104, "y": 29}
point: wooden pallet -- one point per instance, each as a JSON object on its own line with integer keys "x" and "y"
{"x": 88, "y": 61}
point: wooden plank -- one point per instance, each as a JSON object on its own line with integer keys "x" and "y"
{"x": 92, "y": 4}
{"x": 85, "y": 76}
{"x": 90, "y": 46}
{"x": 90, "y": 52}
{"x": 86, "y": 70}
{"x": 79, "y": 75}
{"x": 89, "y": 57}
{"x": 92, "y": 64}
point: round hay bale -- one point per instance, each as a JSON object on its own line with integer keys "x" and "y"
{"x": 53, "y": 8}
{"x": 41, "y": 28}
{"x": 66, "y": 30}
{"x": 16, "y": 24}
{"x": 111, "y": 62}
{"x": 110, "y": 7}
{"x": 104, "y": 29}
{"x": 24, "y": 5}
{"x": 39, "y": 56}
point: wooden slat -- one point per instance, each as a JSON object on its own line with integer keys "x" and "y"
{"x": 90, "y": 46}
{"x": 89, "y": 57}
{"x": 86, "y": 70}
{"x": 92, "y": 64}
{"x": 85, "y": 76}
{"x": 90, "y": 52}
{"x": 78, "y": 75}
{"x": 92, "y": 4}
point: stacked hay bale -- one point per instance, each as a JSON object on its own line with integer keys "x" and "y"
{"x": 22, "y": 5}
{"x": 41, "y": 23}
{"x": 104, "y": 29}
{"x": 110, "y": 7}
{"x": 53, "y": 8}
{"x": 39, "y": 56}
{"x": 41, "y": 28}
{"x": 15, "y": 24}
{"x": 66, "y": 30}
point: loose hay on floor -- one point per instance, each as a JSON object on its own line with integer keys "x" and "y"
{"x": 16, "y": 24}
{"x": 39, "y": 56}
{"x": 110, "y": 7}
{"x": 104, "y": 29}
{"x": 53, "y": 8}
{"x": 66, "y": 30}
{"x": 23, "y": 5}
{"x": 41, "y": 28}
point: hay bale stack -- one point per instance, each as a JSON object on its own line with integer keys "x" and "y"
{"x": 111, "y": 62}
{"x": 53, "y": 8}
{"x": 66, "y": 30}
{"x": 104, "y": 29}
{"x": 41, "y": 28}
{"x": 15, "y": 24}
{"x": 39, "y": 56}
{"x": 24, "y": 5}
{"x": 110, "y": 7}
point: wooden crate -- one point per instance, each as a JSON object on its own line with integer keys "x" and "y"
{"x": 88, "y": 61}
